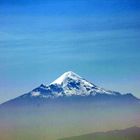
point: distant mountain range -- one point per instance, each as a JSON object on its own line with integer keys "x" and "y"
{"x": 70, "y": 86}
{"x": 132, "y": 133}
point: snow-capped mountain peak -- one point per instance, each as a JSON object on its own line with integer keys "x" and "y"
{"x": 69, "y": 84}
{"x": 64, "y": 77}
{"x": 73, "y": 84}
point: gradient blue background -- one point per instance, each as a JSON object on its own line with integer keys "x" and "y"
{"x": 41, "y": 39}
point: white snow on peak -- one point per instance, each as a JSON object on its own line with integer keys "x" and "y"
{"x": 69, "y": 84}
{"x": 60, "y": 80}
{"x": 73, "y": 84}
{"x": 35, "y": 93}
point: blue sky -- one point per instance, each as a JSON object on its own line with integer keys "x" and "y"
{"x": 40, "y": 40}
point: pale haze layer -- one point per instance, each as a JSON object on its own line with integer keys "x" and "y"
{"x": 40, "y": 40}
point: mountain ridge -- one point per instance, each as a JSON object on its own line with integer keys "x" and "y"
{"x": 131, "y": 133}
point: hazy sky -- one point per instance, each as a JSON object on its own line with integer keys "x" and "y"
{"x": 41, "y": 39}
